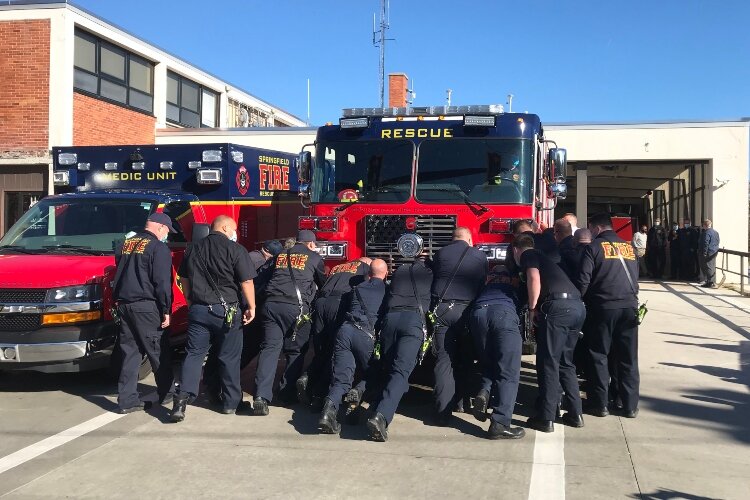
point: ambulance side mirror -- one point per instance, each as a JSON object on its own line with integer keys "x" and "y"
{"x": 557, "y": 163}
{"x": 200, "y": 231}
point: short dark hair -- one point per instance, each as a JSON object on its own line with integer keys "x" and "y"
{"x": 523, "y": 241}
{"x": 601, "y": 220}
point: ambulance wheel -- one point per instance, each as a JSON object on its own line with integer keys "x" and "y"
{"x": 529, "y": 348}
{"x": 115, "y": 365}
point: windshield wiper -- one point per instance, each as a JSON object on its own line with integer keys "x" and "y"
{"x": 463, "y": 196}
{"x": 77, "y": 248}
{"x": 17, "y": 248}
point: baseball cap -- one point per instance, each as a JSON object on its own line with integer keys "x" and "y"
{"x": 162, "y": 218}
{"x": 273, "y": 247}
{"x": 306, "y": 236}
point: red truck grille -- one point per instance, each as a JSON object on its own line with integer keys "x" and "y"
{"x": 382, "y": 232}
{"x": 22, "y": 295}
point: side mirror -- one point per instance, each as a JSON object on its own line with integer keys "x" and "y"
{"x": 559, "y": 188}
{"x": 200, "y": 231}
{"x": 557, "y": 162}
{"x": 304, "y": 165}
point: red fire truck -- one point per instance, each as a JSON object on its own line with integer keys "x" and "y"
{"x": 57, "y": 262}
{"x": 383, "y": 173}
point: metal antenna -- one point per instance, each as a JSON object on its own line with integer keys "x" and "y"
{"x": 378, "y": 40}
{"x": 448, "y": 93}
{"x": 510, "y": 103}
{"x": 411, "y": 93}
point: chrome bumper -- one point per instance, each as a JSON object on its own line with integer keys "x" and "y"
{"x": 41, "y": 353}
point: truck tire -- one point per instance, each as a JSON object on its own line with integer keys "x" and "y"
{"x": 115, "y": 365}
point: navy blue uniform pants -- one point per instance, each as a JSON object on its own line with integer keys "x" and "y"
{"x": 326, "y": 321}
{"x": 278, "y": 322}
{"x": 141, "y": 333}
{"x": 560, "y": 322}
{"x": 497, "y": 340}
{"x": 353, "y": 348}
{"x": 448, "y": 332}
{"x": 400, "y": 341}
{"x": 614, "y": 338}
{"x": 206, "y": 329}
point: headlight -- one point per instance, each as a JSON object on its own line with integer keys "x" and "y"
{"x": 78, "y": 293}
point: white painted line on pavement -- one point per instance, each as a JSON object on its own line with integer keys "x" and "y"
{"x": 32, "y": 451}
{"x": 548, "y": 471}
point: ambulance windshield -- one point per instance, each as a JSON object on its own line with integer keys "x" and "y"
{"x": 478, "y": 170}
{"x": 363, "y": 171}
{"x": 64, "y": 225}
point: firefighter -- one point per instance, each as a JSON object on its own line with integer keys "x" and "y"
{"x": 459, "y": 272}
{"x": 286, "y": 318}
{"x": 355, "y": 341}
{"x": 330, "y": 305}
{"x": 560, "y": 314}
{"x": 496, "y": 332}
{"x": 688, "y": 238}
{"x": 656, "y": 249}
{"x": 708, "y": 249}
{"x": 403, "y": 332}
{"x": 216, "y": 276}
{"x": 609, "y": 287}
{"x": 143, "y": 296}
{"x": 269, "y": 250}
{"x": 569, "y": 256}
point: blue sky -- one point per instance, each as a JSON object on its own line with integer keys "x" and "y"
{"x": 566, "y": 60}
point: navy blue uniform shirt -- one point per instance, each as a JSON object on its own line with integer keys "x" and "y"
{"x": 372, "y": 293}
{"x": 225, "y": 261}
{"x": 498, "y": 294}
{"x": 469, "y": 278}
{"x": 343, "y": 277}
{"x": 309, "y": 273}
{"x": 401, "y": 290}
{"x": 603, "y": 281}
{"x": 144, "y": 271}
{"x": 552, "y": 276}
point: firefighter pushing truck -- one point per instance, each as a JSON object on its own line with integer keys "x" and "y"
{"x": 57, "y": 262}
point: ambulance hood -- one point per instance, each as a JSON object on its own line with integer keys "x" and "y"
{"x": 47, "y": 271}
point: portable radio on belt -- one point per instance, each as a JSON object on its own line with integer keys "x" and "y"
{"x": 642, "y": 309}
{"x": 230, "y": 310}
{"x": 302, "y": 317}
{"x": 115, "y": 315}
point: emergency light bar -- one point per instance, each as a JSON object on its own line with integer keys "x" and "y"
{"x": 61, "y": 178}
{"x": 138, "y": 165}
{"x": 362, "y": 122}
{"x": 479, "y": 121}
{"x": 67, "y": 158}
{"x": 166, "y": 165}
{"x": 211, "y": 156}
{"x": 110, "y": 165}
{"x": 483, "y": 109}
{"x": 84, "y": 166}
{"x": 209, "y": 176}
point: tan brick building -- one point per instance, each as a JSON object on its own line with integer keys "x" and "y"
{"x": 68, "y": 77}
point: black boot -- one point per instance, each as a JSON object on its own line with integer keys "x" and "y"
{"x": 572, "y": 420}
{"x": 540, "y": 425}
{"x": 178, "y": 410}
{"x": 378, "y": 428}
{"x": 328, "y": 423}
{"x": 302, "y": 395}
{"x": 260, "y": 407}
{"x": 481, "y": 401}
{"x": 500, "y": 431}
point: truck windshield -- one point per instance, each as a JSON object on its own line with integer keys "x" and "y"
{"x": 62, "y": 225}
{"x": 363, "y": 171}
{"x": 479, "y": 170}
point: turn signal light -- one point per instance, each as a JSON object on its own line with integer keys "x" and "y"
{"x": 72, "y": 317}
{"x": 500, "y": 226}
{"x": 306, "y": 223}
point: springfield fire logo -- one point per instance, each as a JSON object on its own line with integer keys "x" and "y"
{"x": 243, "y": 180}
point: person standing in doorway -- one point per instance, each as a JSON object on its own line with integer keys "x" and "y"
{"x": 656, "y": 249}
{"x": 708, "y": 248}
{"x": 640, "y": 242}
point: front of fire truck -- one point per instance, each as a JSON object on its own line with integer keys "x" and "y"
{"x": 415, "y": 174}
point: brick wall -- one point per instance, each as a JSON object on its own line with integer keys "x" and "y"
{"x": 24, "y": 87}
{"x": 398, "y": 84}
{"x": 99, "y": 123}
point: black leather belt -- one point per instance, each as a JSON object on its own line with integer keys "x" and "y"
{"x": 562, "y": 296}
{"x": 453, "y": 301}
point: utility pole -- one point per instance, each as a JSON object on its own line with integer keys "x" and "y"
{"x": 378, "y": 40}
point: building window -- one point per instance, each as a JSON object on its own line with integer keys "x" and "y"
{"x": 190, "y": 104}
{"x": 107, "y": 71}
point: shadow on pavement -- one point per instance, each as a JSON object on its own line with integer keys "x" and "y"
{"x": 664, "y": 494}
